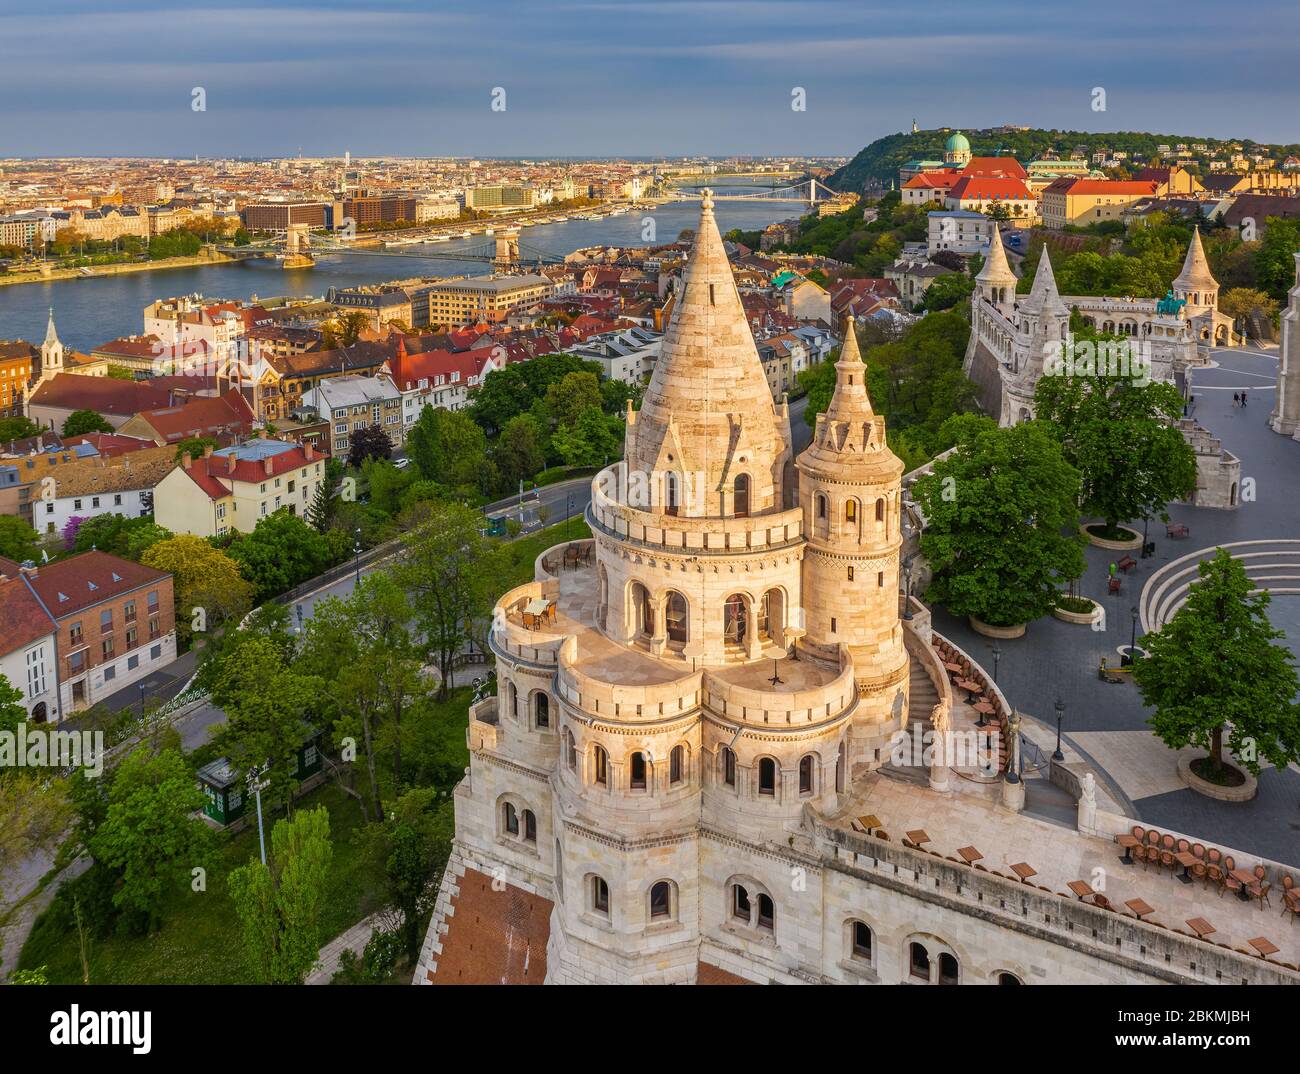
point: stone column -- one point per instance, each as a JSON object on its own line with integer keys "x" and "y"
{"x": 753, "y": 646}
{"x": 659, "y": 615}
{"x": 940, "y": 723}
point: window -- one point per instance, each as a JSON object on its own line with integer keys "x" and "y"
{"x": 767, "y": 776}
{"x": 155, "y": 652}
{"x": 947, "y": 969}
{"x": 728, "y": 766}
{"x": 1008, "y": 979}
{"x": 511, "y": 819}
{"x": 110, "y": 672}
{"x": 676, "y": 617}
{"x": 766, "y": 913}
{"x": 638, "y": 781}
{"x": 671, "y": 499}
{"x": 106, "y": 646}
{"x": 821, "y": 506}
{"x": 861, "y": 940}
{"x": 77, "y": 661}
{"x": 132, "y": 636}
{"x": 661, "y": 897}
{"x": 833, "y": 627}
{"x": 541, "y": 710}
{"x": 850, "y": 574}
{"x": 675, "y": 764}
{"x": 599, "y": 896}
{"x": 740, "y": 903}
{"x": 570, "y": 751}
{"x": 128, "y": 611}
{"x": 851, "y": 512}
{"x": 132, "y": 662}
{"x": 734, "y": 618}
{"x": 602, "y": 766}
{"x": 74, "y": 634}
{"x": 530, "y": 826}
{"x": 106, "y": 620}
{"x": 919, "y": 959}
{"x": 153, "y": 601}
{"x": 806, "y": 769}
{"x": 741, "y": 501}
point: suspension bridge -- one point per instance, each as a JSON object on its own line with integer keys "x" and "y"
{"x": 808, "y": 192}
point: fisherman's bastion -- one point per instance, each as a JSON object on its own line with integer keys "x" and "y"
{"x": 729, "y": 746}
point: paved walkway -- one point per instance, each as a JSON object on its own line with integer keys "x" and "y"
{"x": 355, "y": 940}
{"x": 18, "y": 925}
{"x": 1109, "y": 722}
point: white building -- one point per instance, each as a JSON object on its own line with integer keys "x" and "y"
{"x": 119, "y": 485}
{"x": 628, "y": 355}
{"x": 27, "y": 647}
{"x": 960, "y": 231}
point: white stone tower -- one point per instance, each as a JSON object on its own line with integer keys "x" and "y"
{"x": 1196, "y": 285}
{"x": 996, "y": 283}
{"x": 1042, "y": 323}
{"x": 51, "y": 353}
{"x": 850, "y": 491}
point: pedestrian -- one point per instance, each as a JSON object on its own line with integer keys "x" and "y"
{"x": 1113, "y": 569}
{"x": 1243, "y": 399}
{"x": 1235, "y": 399}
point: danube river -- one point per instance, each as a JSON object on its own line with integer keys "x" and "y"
{"x": 91, "y": 311}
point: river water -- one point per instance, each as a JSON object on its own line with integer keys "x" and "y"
{"x": 91, "y": 311}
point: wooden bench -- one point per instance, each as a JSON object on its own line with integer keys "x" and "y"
{"x": 1127, "y": 563}
{"x": 1113, "y": 585}
{"x": 1177, "y": 529}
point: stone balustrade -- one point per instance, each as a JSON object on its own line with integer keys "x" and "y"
{"x": 771, "y": 708}
{"x": 647, "y": 702}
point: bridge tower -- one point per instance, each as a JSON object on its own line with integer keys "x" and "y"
{"x": 297, "y": 240}
{"x": 507, "y": 251}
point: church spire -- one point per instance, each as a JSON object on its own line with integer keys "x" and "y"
{"x": 850, "y": 401}
{"x": 995, "y": 271}
{"x": 51, "y": 336}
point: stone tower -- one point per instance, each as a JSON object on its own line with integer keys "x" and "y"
{"x": 51, "y": 353}
{"x": 1042, "y": 323}
{"x": 996, "y": 283}
{"x": 850, "y": 493}
{"x": 1285, "y": 418}
{"x": 1196, "y": 285}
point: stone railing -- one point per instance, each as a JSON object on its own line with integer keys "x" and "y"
{"x": 510, "y": 638}
{"x": 686, "y": 534}
{"x": 484, "y": 725}
{"x": 614, "y": 701}
{"x": 562, "y": 557}
{"x": 770, "y": 708}
{"x": 1112, "y": 937}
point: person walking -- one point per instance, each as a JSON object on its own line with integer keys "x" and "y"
{"x": 1243, "y": 400}
{"x": 1236, "y": 398}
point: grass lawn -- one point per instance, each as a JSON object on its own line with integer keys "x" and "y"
{"x": 199, "y": 942}
{"x": 521, "y": 553}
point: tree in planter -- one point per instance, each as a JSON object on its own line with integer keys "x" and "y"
{"x": 1120, "y": 434}
{"x": 1214, "y": 668}
{"x": 1000, "y": 522}
{"x": 279, "y": 904}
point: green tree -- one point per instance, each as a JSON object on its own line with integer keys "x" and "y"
{"x": 149, "y": 836}
{"x": 319, "y": 513}
{"x": 194, "y": 446}
{"x": 590, "y": 440}
{"x": 1275, "y": 256}
{"x": 85, "y": 421}
{"x": 449, "y": 569}
{"x": 279, "y": 904}
{"x": 281, "y": 552}
{"x": 1120, "y": 434}
{"x": 18, "y": 541}
{"x": 948, "y": 291}
{"x": 386, "y": 484}
{"x": 518, "y": 451}
{"x": 417, "y": 842}
{"x": 570, "y": 397}
{"x": 449, "y": 448}
{"x": 119, "y": 535}
{"x": 17, "y": 428}
{"x": 203, "y": 579}
{"x": 514, "y": 388}
{"x": 1214, "y": 668}
{"x": 1001, "y": 521}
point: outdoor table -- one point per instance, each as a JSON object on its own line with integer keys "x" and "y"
{"x": 1200, "y": 926}
{"x": 970, "y": 854}
{"x": 1128, "y": 842}
{"x": 1024, "y": 870}
{"x": 970, "y": 686}
{"x": 918, "y": 836}
{"x": 539, "y": 608}
{"x": 1186, "y": 859}
{"x": 1260, "y": 944}
{"x": 954, "y": 668}
{"x": 871, "y": 822}
{"x": 984, "y": 708}
{"x": 775, "y": 653}
{"x": 1081, "y": 888}
{"x": 1140, "y": 909}
{"x": 1247, "y": 878}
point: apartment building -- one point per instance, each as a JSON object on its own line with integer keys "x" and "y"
{"x": 27, "y": 646}
{"x": 100, "y": 485}
{"x": 355, "y": 403}
{"x": 1090, "y": 201}
{"x": 469, "y": 301}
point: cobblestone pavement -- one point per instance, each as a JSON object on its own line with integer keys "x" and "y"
{"x": 1109, "y": 722}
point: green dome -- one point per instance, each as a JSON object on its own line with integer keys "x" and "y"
{"x": 958, "y": 144}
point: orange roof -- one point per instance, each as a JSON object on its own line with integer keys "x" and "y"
{"x": 1075, "y": 187}
{"x": 930, "y": 181}
{"x": 990, "y": 188}
{"x": 493, "y": 937}
{"x": 994, "y": 167}
{"x": 708, "y": 974}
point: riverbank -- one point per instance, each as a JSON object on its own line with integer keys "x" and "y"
{"x": 123, "y": 268}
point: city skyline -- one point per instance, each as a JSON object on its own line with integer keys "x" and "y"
{"x": 600, "y": 79}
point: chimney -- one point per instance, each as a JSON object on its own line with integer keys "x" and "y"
{"x": 28, "y": 567}
{"x": 266, "y": 466}
{"x": 308, "y": 452}
{"x": 207, "y": 451}
{"x": 230, "y": 463}
{"x": 187, "y": 460}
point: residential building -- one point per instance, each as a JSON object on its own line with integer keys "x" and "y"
{"x": 500, "y": 198}
{"x": 50, "y": 405}
{"x": 355, "y": 403}
{"x": 18, "y": 363}
{"x": 1090, "y": 201}
{"x": 235, "y": 488}
{"x": 120, "y": 485}
{"x": 27, "y": 646}
{"x": 469, "y": 301}
{"x": 221, "y": 418}
{"x": 960, "y": 231}
{"x": 628, "y": 355}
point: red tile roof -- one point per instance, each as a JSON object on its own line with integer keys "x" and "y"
{"x": 105, "y": 395}
{"x": 201, "y": 416}
{"x": 110, "y": 445}
{"x": 493, "y": 937}
{"x": 22, "y": 619}
{"x": 1103, "y": 187}
{"x": 71, "y": 585}
{"x": 931, "y": 181}
{"x": 1004, "y": 167}
{"x": 990, "y": 188}
{"x": 214, "y": 473}
{"x": 708, "y": 974}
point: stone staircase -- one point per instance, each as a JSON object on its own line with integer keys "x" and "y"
{"x": 922, "y": 697}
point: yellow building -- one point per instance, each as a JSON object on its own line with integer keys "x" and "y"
{"x": 1088, "y": 201}
{"x": 461, "y": 302}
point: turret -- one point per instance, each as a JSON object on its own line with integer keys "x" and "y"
{"x": 1196, "y": 284}
{"x": 996, "y": 282}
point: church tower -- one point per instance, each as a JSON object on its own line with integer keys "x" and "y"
{"x": 1043, "y": 322}
{"x": 51, "y": 353}
{"x": 1196, "y": 285}
{"x": 850, "y": 486}
{"x": 996, "y": 282}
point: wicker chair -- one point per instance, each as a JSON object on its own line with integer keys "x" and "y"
{"x": 1259, "y": 892}
{"x": 1229, "y": 883}
{"x": 1167, "y": 857}
{"x": 1199, "y": 872}
{"x": 1198, "y": 851}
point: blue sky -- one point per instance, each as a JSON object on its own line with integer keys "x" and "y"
{"x": 102, "y": 77}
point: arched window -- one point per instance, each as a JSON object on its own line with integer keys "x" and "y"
{"x": 821, "y": 506}
{"x": 947, "y": 969}
{"x": 880, "y": 509}
{"x": 740, "y": 907}
{"x": 766, "y": 912}
{"x": 661, "y": 900}
{"x": 676, "y": 617}
{"x": 861, "y": 941}
{"x": 642, "y": 610}
{"x": 39, "y": 710}
{"x": 734, "y": 620}
{"x": 919, "y": 961}
{"x": 807, "y": 766}
{"x": 766, "y": 776}
{"x": 672, "y": 497}
{"x": 602, "y": 766}
{"x": 851, "y": 512}
{"x": 1009, "y": 979}
{"x": 513, "y": 696}
{"x": 740, "y": 503}
{"x": 511, "y": 819}
{"x": 850, "y": 574}
{"x": 530, "y": 826}
{"x": 599, "y": 895}
{"x": 839, "y": 769}
{"x": 570, "y": 751}
{"x": 675, "y": 764}
{"x": 541, "y": 710}
{"x": 638, "y": 771}
{"x": 728, "y": 766}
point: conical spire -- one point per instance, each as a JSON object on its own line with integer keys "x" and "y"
{"x": 1043, "y": 296}
{"x": 51, "y": 336}
{"x": 708, "y": 409}
{"x": 850, "y": 401}
{"x": 995, "y": 271}
{"x": 1196, "y": 274}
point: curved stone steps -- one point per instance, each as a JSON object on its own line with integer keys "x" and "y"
{"x": 1269, "y": 563}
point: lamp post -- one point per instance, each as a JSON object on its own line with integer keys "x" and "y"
{"x": 907, "y": 587}
{"x": 141, "y": 699}
{"x": 1060, "y": 715}
{"x": 1133, "y": 638}
{"x": 997, "y": 655}
{"x": 356, "y": 551}
{"x": 1146, "y": 521}
{"x": 298, "y": 610}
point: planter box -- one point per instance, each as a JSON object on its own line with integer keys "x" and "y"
{"x": 991, "y": 631}
{"x": 1119, "y": 546}
{"x": 1081, "y": 618}
{"x": 1244, "y": 793}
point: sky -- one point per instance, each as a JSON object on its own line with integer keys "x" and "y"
{"x": 593, "y": 78}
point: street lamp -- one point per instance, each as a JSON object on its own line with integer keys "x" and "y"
{"x": 141, "y": 699}
{"x": 907, "y": 587}
{"x": 997, "y": 655}
{"x": 298, "y": 608}
{"x": 1060, "y": 715}
{"x": 1133, "y": 638}
{"x": 356, "y": 551}
{"x": 1146, "y": 521}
